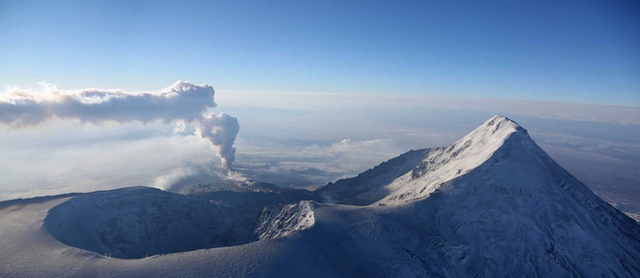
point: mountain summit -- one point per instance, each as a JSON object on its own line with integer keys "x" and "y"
{"x": 416, "y": 174}
{"x": 492, "y": 204}
{"x": 495, "y": 202}
{"x": 446, "y": 164}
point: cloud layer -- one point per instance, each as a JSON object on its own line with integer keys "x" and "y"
{"x": 183, "y": 101}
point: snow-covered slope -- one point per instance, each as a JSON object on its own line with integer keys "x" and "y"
{"x": 368, "y": 186}
{"x": 417, "y": 173}
{"x": 286, "y": 220}
{"x": 492, "y": 204}
{"x": 500, "y": 204}
{"x": 445, "y": 164}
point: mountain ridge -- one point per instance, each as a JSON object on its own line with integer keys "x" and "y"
{"x": 492, "y": 204}
{"x": 459, "y": 158}
{"x": 488, "y": 137}
{"x": 498, "y": 177}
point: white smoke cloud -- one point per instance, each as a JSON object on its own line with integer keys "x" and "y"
{"x": 192, "y": 177}
{"x": 183, "y": 102}
{"x": 221, "y": 130}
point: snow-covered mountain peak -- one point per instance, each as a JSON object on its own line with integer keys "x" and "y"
{"x": 495, "y": 202}
{"x": 417, "y": 173}
{"x": 488, "y": 137}
{"x": 497, "y": 127}
{"x": 461, "y": 157}
{"x": 482, "y": 142}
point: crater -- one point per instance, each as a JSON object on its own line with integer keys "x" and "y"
{"x": 138, "y": 222}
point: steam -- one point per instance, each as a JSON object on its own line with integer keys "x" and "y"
{"x": 221, "y": 130}
{"x": 198, "y": 177}
{"x": 183, "y": 102}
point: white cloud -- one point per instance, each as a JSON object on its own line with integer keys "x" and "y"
{"x": 182, "y": 102}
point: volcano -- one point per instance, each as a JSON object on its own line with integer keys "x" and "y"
{"x": 492, "y": 204}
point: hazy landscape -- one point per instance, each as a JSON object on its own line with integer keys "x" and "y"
{"x": 319, "y": 139}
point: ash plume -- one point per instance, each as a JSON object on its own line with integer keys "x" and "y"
{"x": 182, "y": 102}
{"x": 221, "y": 130}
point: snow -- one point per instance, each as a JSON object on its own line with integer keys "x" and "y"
{"x": 368, "y": 186}
{"x": 444, "y": 164}
{"x": 141, "y": 222}
{"x": 286, "y": 220}
{"x": 492, "y": 204}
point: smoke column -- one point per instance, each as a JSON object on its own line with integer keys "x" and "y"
{"x": 221, "y": 130}
{"x": 183, "y": 101}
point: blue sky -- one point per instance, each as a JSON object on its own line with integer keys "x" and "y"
{"x": 567, "y": 51}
